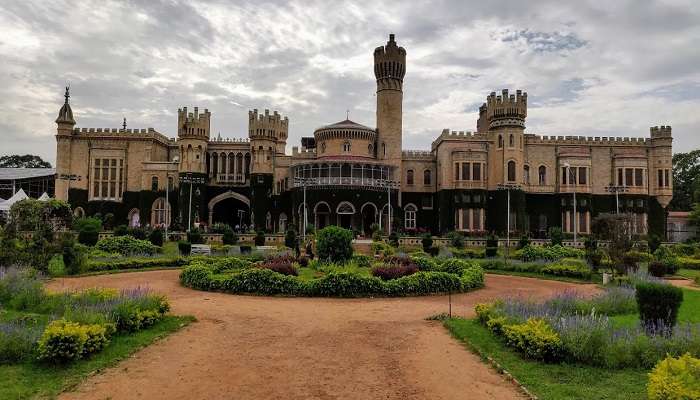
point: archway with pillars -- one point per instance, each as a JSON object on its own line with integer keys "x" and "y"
{"x": 231, "y": 208}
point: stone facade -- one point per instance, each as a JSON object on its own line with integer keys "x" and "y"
{"x": 347, "y": 173}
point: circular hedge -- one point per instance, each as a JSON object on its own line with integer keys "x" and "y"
{"x": 243, "y": 277}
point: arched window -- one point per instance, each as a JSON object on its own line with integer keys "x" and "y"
{"x": 410, "y": 216}
{"x": 370, "y": 149}
{"x": 500, "y": 141}
{"x": 409, "y": 177}
{"x": 511, "y": 171}
{"x": 526, "y": 174}
{"x": 283, "y": 223}
{"x": 511, "y": 141}
{"x": 154, "y": 183}
{"x": 160, "y": 212}
{"x": 427, "y": 177}
{"x": 323, "y": 147}
{"x": 543, "y": 175}
{"x": 346, "y": 147}
{"x": 268, "y": 221}
{"x": 345, "y": 208}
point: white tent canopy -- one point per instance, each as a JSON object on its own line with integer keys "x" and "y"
{"x": 19, "y": 196}
{"x": 44, "y": 197}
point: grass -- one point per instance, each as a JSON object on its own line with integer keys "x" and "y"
{"x": 688, "y": 273}
{"x": 689, "y": 311}
{"x": 31, "y": 379}
{"x": 552, "y": 381}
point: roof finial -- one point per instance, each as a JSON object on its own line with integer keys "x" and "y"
{"x": 67, "y": 95}
{"x": 347, "y": 115}
{"x": 124, "y": 124}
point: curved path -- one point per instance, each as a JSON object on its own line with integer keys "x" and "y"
{"x": 247, "y": 347}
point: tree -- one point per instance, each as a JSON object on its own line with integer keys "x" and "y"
{"x": 617, "y": 229}
{"x": 686, "y": 179}
{"x": 25, "y": 161}
{"x": 334, "y": 244}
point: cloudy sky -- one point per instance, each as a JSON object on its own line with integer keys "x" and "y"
{"x": 596, "y": 68}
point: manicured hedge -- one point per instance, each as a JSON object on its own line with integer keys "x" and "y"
{"x": 573, "y": 268}
{"x": 335, "y": 284}
{"x": 135, "y": 263}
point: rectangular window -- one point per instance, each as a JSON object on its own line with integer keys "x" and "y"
{"x": 456, "y": 171}
{"x": 465, "y": 172}
{"x": 466, "y": 220}
{"x": 477, "y": 171}
{"x": 582, "y": 176}
{"x": 571, "y": 221}
{"x": 660, "y": 182}
{"x": 582, "y": 223}
{"x": 619, "y": 177}
{"x": 477, "y": 220}
{"x": 638, "y": 177}
{"x": 564, "y": 176}
{"x": 629, "y": 172}
{"x": 427, "y": 202}
{"x": 667, "y": 182}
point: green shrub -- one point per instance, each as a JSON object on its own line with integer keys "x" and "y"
{"x": 472, "y": 278}
{"x": 491, "y": 252}
{"x": 455, "y": 266}
{"x": 185, "y": 248}
{"x": 120, "y": 230}
{"x": 361, "y": 260}
{"x": 654, "y": 242}
{"x": 64, "y": 341}
{"x": 134, "y": 263}
{"x": 568, "y": 267}
{"x": 456, "y": 239}
{"x": 658, "y": 302}
{"x": 675, "y": 379}
{"x": 657, "y": 269}
{"x": 688, "y": 263}
{"x": 290, "y": 239}
{"x": 156, "y": 237}
{"x": 423, "y": 283}
{"x": 394, "y": 239}
{"x": 683, "y": 249}
{"x": 196, "y": 276}
{"x": 334, "y": 244}
{"x": 534, "y": 338}
{"x": 260, "y": 281}
{"x": 425, "y": 263}
{"x": 126, "y": 245}
{"x": 134, "y": 315}
{"x": 88, "y": 230}
{"x": 229, "y": 237}
{"x": 346, "y": 284}
{"x": 259, "y": 239}
{"x": 549, "y": 253}
{"x": 73, "y": 258}
{"x": 556, "y": 236}
{"x": 523, "y": 242}
{"x": 194, "y": 236}
{"x": 427, "y": 242}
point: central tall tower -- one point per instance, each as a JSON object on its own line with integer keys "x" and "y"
{"x": 389, "y": 69}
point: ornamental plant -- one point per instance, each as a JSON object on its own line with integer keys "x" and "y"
{"x": 334, "y": 244}
{"x": 88, "y": 230}
{"x": 259, "y": 238}
{"x": 658, "y": 304}
{"x": 675, "y": 379}
{"x": 393, "y": 271}
{"x": 427, "y": 242}
{"x": 126, "y": 245}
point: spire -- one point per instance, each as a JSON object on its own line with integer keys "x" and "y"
{"x": 124, "y": 124}
{"x": 65, "y": 115}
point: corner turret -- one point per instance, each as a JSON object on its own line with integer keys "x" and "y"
{"x": 503, "y": 110}
{"x": 65, "y": 119}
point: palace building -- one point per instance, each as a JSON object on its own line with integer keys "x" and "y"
{"x": 355, "y": 175}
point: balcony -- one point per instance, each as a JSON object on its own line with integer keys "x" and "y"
{"x": 469, "y": 185}
{"x": 231, "y": 179}
{"x": 576, "y": 188}
{"x": 372, "y": 176}
{"x": 539, "y": 188}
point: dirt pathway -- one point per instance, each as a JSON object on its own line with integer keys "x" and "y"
{"x": 247, "y": 347}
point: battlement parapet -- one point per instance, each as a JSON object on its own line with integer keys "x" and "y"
{"x": 586, "y": 140}
{"x": 663, "y": 131}
{"x": 229, "y": 140}
{"x": 448, "y": 134}
{"x": 148, "y": 133}
{"x": 267, "y": 126}
{"x": 505, "y": 109}
{"x": 417, "y": 154}
{"x": 193, "y": 117}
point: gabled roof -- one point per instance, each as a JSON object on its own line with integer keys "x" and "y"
{"x": 345, "y": 125}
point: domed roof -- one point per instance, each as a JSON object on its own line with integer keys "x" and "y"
{"x": 347, "y": 124}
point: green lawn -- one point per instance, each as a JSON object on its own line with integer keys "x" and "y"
{"x": 689, "y": 311}
{"x": 31, "y": 379}
{"x": 552, "y": 381}
{"x": 689, "y": 273}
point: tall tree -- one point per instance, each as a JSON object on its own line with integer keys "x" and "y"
{"x": 25, "y": 161}
{"x": 686, "y": 179}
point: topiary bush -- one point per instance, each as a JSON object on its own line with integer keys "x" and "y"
{"x": 675, "y": 379}
{"x": 456, "y": 239}
{"x": 64, "y": 341}
{"x": 524, "y": 241}
{"x": 556, "y": 236}
{"x": 126, "y": 245}
{"x": 455, "y": 266}
{"x": 334, "y": 244}
{"x": 393, "y": 271}
{"x": 74, "y": 259}
{"x": 195, "y": 237}
{"x": 259, "y": 238}
{"x": 536, "y": 339}
{"x": 427, "y": 242}
{"x": 229, "y": 236}
{"x": 658, "y": 304}
{"x": 156, "y": 237}
{"x": 290, "y": 239}
{"x": 185, "y": 248}
{"x": 88, "y": 230}
{"x": 657, "y": 269}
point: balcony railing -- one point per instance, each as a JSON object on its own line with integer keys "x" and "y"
{"x": 470, "y": 184}
{"x": 345, "y": 181}
{"x": 236, "y": 179}
{"x": 579, "y": 188}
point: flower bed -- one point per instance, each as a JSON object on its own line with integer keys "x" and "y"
{"x": 63, "y": 327}
{"x": 335, "y": 280}
{"x": 573, "y": 329}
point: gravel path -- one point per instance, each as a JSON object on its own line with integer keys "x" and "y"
{"x": 247, "y": 347}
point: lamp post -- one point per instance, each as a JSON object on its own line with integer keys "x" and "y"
{"x": 302, "y": 180}
{"x": 616, "y": 189}
{"x": 168, "y": 215}
{"x": 568, "y": 169}
{"x": 508, "y": 187}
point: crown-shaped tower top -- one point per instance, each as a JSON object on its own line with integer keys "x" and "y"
{"x": 389, "y": 65}
{"x": 662, "y": 131}
{"x": 270, "y": 126}
{"x": 193, "y": 124}
{"x": 505, "y": 110}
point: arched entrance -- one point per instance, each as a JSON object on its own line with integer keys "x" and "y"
{"x": 230, "y": 208}
{"x": 134, "y": 218}
{"x": 322, "y": 213}
{"x": 369, "y": 217}
{"x": 345, "y": 212}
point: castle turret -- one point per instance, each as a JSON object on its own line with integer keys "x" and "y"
{"x": 193, "y": 136}
{"x": 661, "y": 164}
{"x": 64, "y": 131}
{"x": 389, "y": 69}
{"x": 503, "y": 118}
